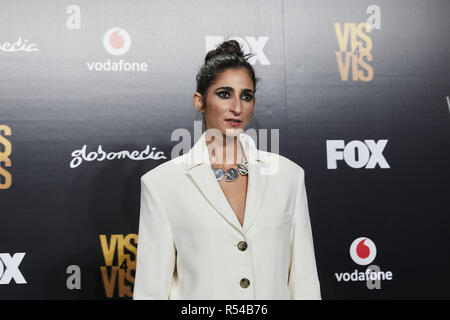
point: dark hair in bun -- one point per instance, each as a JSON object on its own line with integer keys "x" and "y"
{"x": 231, "y": 47}
{"x": 228, "y": 55}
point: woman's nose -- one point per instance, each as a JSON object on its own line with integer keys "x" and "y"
{"x": 236, "y": 105}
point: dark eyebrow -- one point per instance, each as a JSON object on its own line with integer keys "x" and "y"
{"x": 231, "y": 89}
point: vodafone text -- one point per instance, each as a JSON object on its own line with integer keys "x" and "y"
{"x": 117, "y": 66}
{"x": 364, "y": 276}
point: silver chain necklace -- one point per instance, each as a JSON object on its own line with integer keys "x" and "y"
{"x": 231, "y": 174}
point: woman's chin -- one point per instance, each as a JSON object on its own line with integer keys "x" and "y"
{"x": 233, "y": 132}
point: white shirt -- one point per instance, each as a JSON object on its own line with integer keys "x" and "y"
{"x": 189, "y": 234}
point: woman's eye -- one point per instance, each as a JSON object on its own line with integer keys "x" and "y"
{"x": 223, "y": 94}
{"x": 247, "y": 97}
{"x": 226, "y": 95}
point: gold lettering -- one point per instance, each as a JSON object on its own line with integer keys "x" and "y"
{"x": 109, "y": 281}
{"x": 343, "y": 67}
{"x": 342, "y": 38}
{"x": 354, "y": 43}
{"x": 355, "y": 61}
{"x": 124, "y": 271}
{"x": 364, "y": 37}
{"x": 124, "y": 289}
{"x": 365, "y": 66}
{"x": 4, "y": 157}
{"x": 129, "y": 244}
{"x": 109, "y": 250}
{"x": 120, "y": 251}
{"x": 358, "y": 54}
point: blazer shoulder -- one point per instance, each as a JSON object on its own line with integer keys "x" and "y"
{"x": 166, "y": 171}
{"x": 287, "y": 167}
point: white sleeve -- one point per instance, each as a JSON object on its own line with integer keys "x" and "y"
{"x": 156, "y": 253}
{"x": 303, "y": 278}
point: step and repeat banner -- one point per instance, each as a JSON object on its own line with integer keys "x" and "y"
{"x": 357, "y": 91}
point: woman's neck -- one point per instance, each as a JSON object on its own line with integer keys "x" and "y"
{"x": 226, "y": 151}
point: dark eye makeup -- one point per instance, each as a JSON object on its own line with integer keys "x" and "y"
{"x": 226, "y": 94}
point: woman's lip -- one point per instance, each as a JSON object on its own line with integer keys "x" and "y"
{"x": 233, "y": 122}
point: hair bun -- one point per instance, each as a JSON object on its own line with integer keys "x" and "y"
{"x": 227, "y": 47}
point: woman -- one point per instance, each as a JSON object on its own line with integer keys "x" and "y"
{"x": 216, "y": 229}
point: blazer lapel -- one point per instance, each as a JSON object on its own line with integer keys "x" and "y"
{"x": 256, "y": 188}
{"x": 206, "y": 181}
{"x": 198, "y": 167}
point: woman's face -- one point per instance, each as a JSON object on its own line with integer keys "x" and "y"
{"x": 231, "y": 96}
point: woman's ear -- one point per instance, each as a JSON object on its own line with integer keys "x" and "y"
{"x": 198, "y": 102}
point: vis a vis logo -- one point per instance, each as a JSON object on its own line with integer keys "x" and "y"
{"x": 355, "y": 45}
{"x": 119, "y": 253}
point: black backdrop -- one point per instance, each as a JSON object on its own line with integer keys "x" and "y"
{"x": 63, "y": 88}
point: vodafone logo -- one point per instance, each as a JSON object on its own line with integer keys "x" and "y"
{"x": 363, "y": 251}
{"x": 117, "y": 41}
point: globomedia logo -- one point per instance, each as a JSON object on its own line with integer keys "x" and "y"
{"x": 363, "y": 251}
{"x": 19, "y": 45}
{"x": 80, "y": 155}
{"x": 117, "y": 42}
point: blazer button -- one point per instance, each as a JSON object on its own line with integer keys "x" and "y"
{"x": 245, "y": 283}
{"x": 242, "y": 245}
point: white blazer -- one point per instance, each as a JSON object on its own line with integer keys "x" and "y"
{"x": 191, "y": 244}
